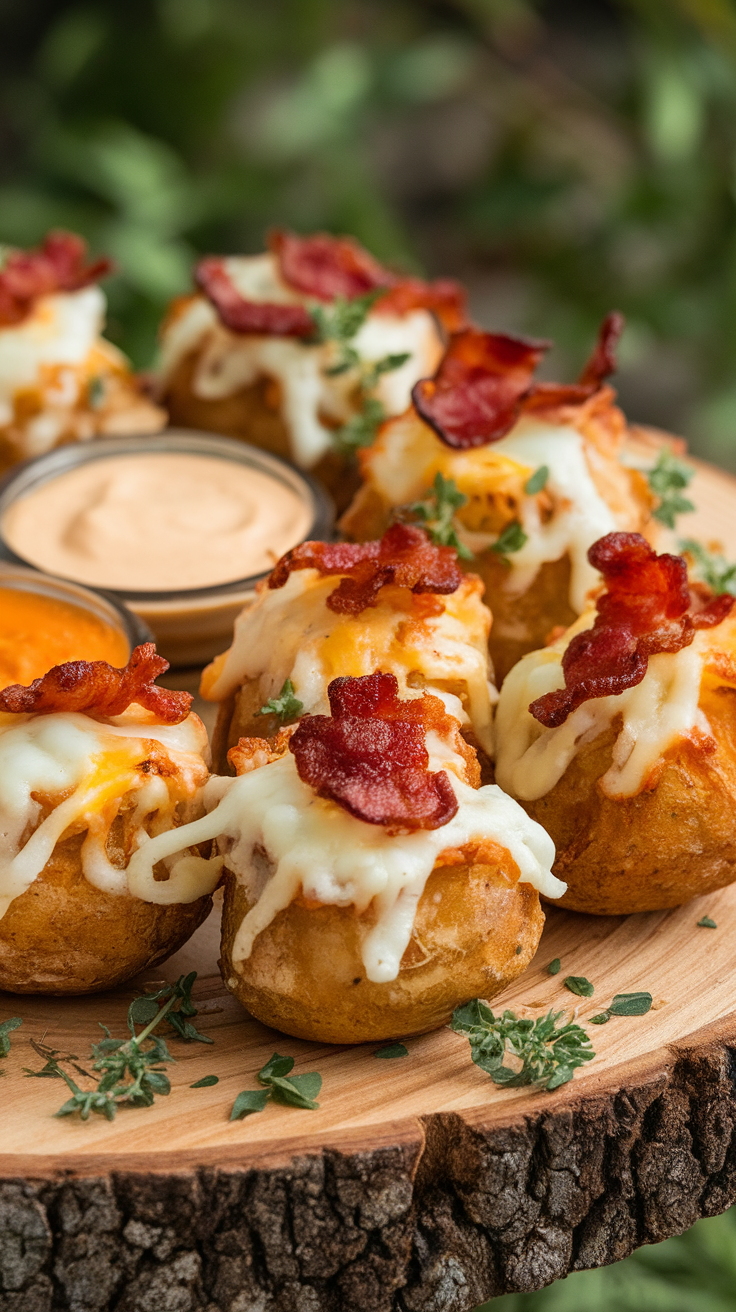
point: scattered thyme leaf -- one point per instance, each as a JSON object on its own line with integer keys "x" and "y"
{"x": 710, "y": 566}
{"x": 344, "y": 319}
{"x": 361, "y": 429}
{"x": 511, "y": 539}
{"x": 287, "y": 705}
{"x": 518, "y": 950}
{"x": 392, "y": 1050}
{"x": 276, "y": 1066}
{"x": 601, "y": 1018}
{"x": 6, "y": 1028}
{"x": 667, "y": 479}
{"x": 96, "y": 392}
{"x": 250, "y": 1100}
{"x": 537, "y": 481}
{"x": 437, "y": 514}
{"x": 297, "y": 1090}
{"x": 554, "y": 966}
{"x": 206, "y": 1082}
{"x": 706, "y": 922}
{"x": 386, "y": 365}
{"x": 549, "y": 1053}
{"x": 630, "y": 1004}
{"x": 580, "y": 985}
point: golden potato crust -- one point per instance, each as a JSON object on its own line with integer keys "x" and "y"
{"x": 675, "y": 841}
{"x": 64, "y": 936}
{"x": 475, "y": 930}
{"x": 252, "y": 414}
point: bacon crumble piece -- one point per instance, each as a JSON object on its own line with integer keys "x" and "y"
{"x": 327, "y": 267}
{"x": 371, "y": 756}
{"x": 476, "y": 395}
{"x": 98, "y": 689}
{"x": 647, "y": 608}
{"x": 404, "y": 556}
{"x": 57, "y": 266}
{"x": 251, "y": 753}
{"x": 243, "y": 316}
{"x": 602, "y": 362}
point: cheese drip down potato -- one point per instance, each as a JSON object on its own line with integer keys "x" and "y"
{"x": 620, "y": 738}
{"x": 539, "y": 469}
{"x": 400, "y": 605}
{"x": 60, "y": 380}
{"x": 280, "y": 349}
{"x": 371, "y": 885}
{"x": 95, "y": 761}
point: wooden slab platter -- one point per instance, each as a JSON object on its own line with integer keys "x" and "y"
{"x": 418, "y": 1185}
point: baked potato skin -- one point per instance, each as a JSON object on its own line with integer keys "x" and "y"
{"x": 252, "y": 414}
{"x": 306, "y": 978}
{"x": 658, "y": 849}
{"x": 237, "y": 717}
{"x": 64, "y": 936}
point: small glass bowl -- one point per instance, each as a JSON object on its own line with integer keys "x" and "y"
{"x": 190, "y": 626}
{"x": 100, "y": 604}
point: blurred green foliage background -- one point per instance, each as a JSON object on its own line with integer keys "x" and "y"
{"x": 562, "y": 157}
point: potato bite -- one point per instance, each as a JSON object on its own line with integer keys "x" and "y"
{"x": 371, "y": 884}
{"x": 60, "y": 380}
{"x": 302, "y": 350}
{"x": 401, "y": 605}
{"x": 94, "y": 761}
{"x": 526, "y": 476}
{"x": 619, "y": 738}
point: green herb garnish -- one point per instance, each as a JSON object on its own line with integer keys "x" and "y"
{"x": 580, "y": 985}
{"x": 554, "y": 966}
{"x": 96, "y": 392}
{"x": 710, "y": 566}
{"x": 538, "y": 481}
{"x": 341, "y": 323}
{"x": 437, "y": 514}
{"x": 667, "y": 479}
{"x": 392, "y": 1050}
{"x": 549, "y": 1053}
{"x": 6, "y": 1028}
{"x": 601, "y": 1018}
{"x": 361, "y": 429}
{"x": 131, "y": 1070}
{"x": 54, "y": 1058}
{"x": 287, "y": 706}
{"x": 281, "y": 1086}
{"x": 705, "y": 922}
{"x": 630, "y": 1004}
{"x": 206, "y": 1082}
{"x": 511, "y": 539}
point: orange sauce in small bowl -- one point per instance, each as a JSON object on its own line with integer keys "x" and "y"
{"x": 38, "y": 631}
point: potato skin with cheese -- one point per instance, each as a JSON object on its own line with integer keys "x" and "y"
{"x": 674, "y": 841}
{"x": 475, "y": 930}
{"x": 64, "y": 936}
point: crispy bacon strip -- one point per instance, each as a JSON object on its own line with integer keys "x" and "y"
{"x": 57, "y": 266}
{"x": 647, "y": 608}
{"x": 602, "y": 362}
{"x": 242, "y": 316}
{"x": 100, "y": 690}
{"x": 403, "y": 556}
{"x": 475, "y": 397}
{"x": 446, "y": 299}
{"x": 326, "y": 267}
{"x": 371, "y": 756}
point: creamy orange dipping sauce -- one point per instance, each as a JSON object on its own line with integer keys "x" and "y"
{"x": 158, "y": 521}
{"x": 37, "y": 632}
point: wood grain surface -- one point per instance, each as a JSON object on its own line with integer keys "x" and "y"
{"x": 418, "y": 1184}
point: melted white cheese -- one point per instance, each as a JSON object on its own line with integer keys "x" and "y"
{"x": 90, "y": 766}
{"x": 290, "y": 633}
{"x": 315, "y": 847}
{"x": 663, "y": 708}
{"x": 229, "y": 361}
{"x": 61, "y": 329}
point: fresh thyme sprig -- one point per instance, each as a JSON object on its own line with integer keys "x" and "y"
{"x": 710, "y": 566}
{"x": 6, "y": 1028}
{"x": 511, "y": 539}
{"x": 130, "y": 1071}
{"x": 340, "y": 324}
{"x": 437, "y": 514}
{"x": 281, "y": 1086}
{"x": 287, "y": 705}
{"x": 667, "y": 479}
{"x": 549, "y": 1053}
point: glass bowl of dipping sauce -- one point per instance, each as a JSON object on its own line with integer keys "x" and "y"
{"x": 45, "y": 621}
{"x": 180, "y": 527}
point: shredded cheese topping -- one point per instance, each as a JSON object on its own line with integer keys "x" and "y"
{"x": 228, "y": 361}
{"x": 66, "y": 770}
{"x": 290, "y": 633}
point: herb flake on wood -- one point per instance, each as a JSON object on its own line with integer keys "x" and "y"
{"x": 549, "y": 1052}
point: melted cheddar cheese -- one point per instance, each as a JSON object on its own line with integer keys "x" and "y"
{"x": 65, "y": 773}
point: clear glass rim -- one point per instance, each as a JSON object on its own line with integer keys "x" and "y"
{"x": 31, "y": 474}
